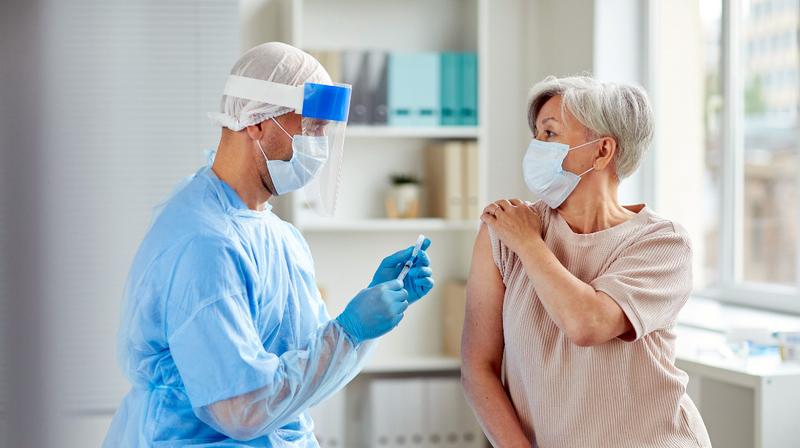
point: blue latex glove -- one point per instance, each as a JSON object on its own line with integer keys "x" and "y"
{"x": 374, "y": 311}
{"x": 418, "y": 282}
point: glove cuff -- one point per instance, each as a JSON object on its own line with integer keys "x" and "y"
{"x": 348, "y": 327}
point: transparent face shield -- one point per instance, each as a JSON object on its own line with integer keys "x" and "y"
{"x": 324, "y": 110}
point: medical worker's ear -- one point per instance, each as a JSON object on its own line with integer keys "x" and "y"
{"x": 255, "y": 131}
{"x": 605, "y": 153}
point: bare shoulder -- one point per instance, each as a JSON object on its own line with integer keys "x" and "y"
{"x": 484, "y": 241}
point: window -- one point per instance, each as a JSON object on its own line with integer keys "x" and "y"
{"x": 713, "y": 101}
{"x": 751, "y": 128}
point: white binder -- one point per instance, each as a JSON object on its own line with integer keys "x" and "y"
{"x": 450, "y": 421}
{"x": 396, "y": 407}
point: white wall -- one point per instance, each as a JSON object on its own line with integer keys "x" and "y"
{"x": 679, "y": 149}
{"x": 263, "y": 21}
{"x": 506, "y": 98}
{"x": 620, "y": 55}
{"x": 560, "y": 38}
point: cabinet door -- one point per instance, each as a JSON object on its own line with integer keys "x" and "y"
{"x": 450, "y": 422}
{"x": 397, "y": 412}
{"x": 329, "y": 424}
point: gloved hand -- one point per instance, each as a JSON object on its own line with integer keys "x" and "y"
{"x": 374, "y": 311}
{"x": 418, "y": 281}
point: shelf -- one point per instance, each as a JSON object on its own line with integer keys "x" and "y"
{"x": 362, "y": 131}
{"x": 413, "y": 365}
{"x": 379, "y": 225}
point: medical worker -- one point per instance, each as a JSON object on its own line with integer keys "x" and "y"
{"x": 224, "y": 336}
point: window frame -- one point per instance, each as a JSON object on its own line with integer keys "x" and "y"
{"x": 732, "y": 287}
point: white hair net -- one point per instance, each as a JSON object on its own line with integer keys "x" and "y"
{"x": 271, "y": 61}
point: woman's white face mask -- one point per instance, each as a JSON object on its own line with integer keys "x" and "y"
{"x": 543, "y": 172}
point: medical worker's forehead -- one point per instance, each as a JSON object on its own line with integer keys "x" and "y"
{"x": 291, "y": 120}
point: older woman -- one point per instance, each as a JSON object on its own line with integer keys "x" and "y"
{"x": 572, "y": 301}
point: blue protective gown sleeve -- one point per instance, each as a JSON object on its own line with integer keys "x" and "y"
{"x": 234, "y": 384}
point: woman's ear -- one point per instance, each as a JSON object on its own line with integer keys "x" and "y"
{"x": 606, "y": 152}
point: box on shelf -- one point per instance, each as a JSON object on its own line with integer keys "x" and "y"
{"x": 451, "y": 177}
{"x": 454, "y": 299}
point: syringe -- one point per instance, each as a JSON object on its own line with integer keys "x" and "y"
{"x": 414, "y": 254}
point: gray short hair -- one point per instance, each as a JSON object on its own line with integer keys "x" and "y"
{"x": 620, "y": 111}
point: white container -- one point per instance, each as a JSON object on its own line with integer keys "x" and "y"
{"x": 403, "y": 201}
{"x": 790, "y": 345}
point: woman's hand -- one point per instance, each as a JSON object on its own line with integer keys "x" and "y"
{"x": 514, "y": 222}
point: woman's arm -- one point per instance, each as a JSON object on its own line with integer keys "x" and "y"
{"x": 482, "y": 350}
{"x": 588, "y": 317}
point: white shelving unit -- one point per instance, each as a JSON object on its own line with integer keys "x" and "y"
{"x": 360, "y": 228}
{"x": 348, "y": 248}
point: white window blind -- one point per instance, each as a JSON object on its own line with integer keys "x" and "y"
{"x": 128, "y": 85}
{"x": 4, "y": 308}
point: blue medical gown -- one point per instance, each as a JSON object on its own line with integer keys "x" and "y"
{"x": 224, "y": 336}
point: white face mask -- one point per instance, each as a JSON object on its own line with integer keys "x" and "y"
{"x": 310, "y": 153}
{"x": 544, "y": 175}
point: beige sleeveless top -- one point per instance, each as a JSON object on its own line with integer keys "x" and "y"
{"x": 624, "y": 393}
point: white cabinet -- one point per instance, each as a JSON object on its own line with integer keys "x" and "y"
{"x": 450, "y": 422}
{"x": 329, "y": 421}
{"x": 743, "y": 406}
{"x": 411, "y": 410}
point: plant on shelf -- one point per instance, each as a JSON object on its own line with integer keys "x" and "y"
{"x": 403, "y": 197}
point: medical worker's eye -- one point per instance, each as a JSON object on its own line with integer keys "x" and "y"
{"x": 316, "y": 127}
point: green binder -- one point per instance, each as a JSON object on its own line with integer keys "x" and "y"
{"x": 469, "y": 89}
{"x": 414, "y": 82}
{"x": 451, "y": 89}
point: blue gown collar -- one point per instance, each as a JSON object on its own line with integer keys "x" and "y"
{"x": 231, "y": 201}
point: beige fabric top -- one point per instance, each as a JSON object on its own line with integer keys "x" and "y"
{"x": 618, "y": 394}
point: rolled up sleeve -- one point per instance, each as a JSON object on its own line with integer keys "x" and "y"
{"x": 651, "y": 281}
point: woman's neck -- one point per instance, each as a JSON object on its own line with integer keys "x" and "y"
{"x": 593, "y": 207}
